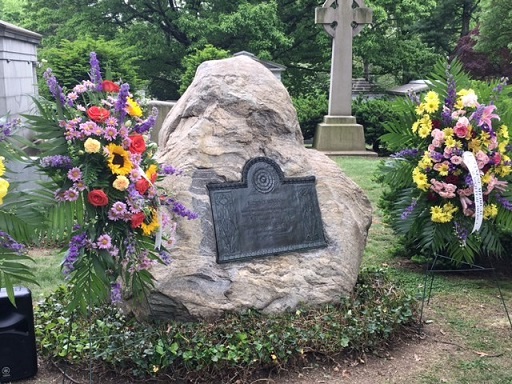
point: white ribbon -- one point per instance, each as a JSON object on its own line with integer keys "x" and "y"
{"x": 469, "y": 159}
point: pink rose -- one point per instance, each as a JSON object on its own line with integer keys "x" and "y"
{"x": 457, "y": 160}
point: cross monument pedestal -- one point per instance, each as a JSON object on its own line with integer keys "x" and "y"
{"x": 339, "y": 133}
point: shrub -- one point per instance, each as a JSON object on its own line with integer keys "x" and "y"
{"x": 311, "y": 109}
{"x": 373, "y": 114}
{"x": 238, "y": 344}
{"x": 70, "y": 63}
{"x": 193, "y": 60}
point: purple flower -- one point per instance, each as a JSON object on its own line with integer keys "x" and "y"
{"x": 410, "y": 152}
{"x": 95, "y": 71}
{"x": 505, "y": 203}
{"x": 71, "y": 195}
{"x": 7, "y": 128}
{"x": 461, "y": 232}
{"x": 74, "y": 174}
{"x": 7, "y": 242}
{"x": 122, "y": 98}
{"x": 165, "y": 257}
{"x": 76, "y": 244}
{"x": 55, "y": 88}
{"x": 148, "y": 123}
{"x": 179, "y": 209}
{"x": 118, "y": 211}
{"x": 408, "y": 211}
{"x": 169, "y": 170}
{"x": 56, "y": 161}
{"x": 104, "y": 242}
{"x": 115, "y": 293}
{"x": 449, "y": 102}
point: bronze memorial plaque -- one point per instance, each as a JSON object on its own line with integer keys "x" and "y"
{"x": 265, "y": 213}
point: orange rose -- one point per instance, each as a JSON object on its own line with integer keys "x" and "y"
{"x": 137, "y": 144}
{"x": 110, "y": 87}
{"x": 137, "y": 220}
{"x": 98, "y": 114}
{"x": 97, "y": 198}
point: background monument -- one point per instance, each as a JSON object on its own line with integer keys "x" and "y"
{"x": 339, "y": 134}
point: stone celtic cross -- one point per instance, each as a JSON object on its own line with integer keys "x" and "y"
{"x": 342, "y": 19}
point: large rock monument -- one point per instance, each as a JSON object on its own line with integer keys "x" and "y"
{"x": 234, "y": 116}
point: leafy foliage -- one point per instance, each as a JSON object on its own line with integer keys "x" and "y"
{"x": 479, "y": 64}
{"x": 237, "y": 344}
{"x": 311, "y": 108}
{"x": 373, "y": 114}
{"x": 70, "y": 63}
{"x": 193, "y": 60}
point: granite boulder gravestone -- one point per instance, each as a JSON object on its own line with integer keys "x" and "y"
{"x": 236, "y": 111}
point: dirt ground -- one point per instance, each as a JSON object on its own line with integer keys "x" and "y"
{"x": 404, "y": 362}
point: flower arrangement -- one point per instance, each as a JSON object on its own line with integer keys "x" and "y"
{"x": 16, "y": 214}
{"x": 454, "y": 197}
{"x": 96, "y": 149}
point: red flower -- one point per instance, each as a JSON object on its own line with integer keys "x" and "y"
{"x": 142, "y": 186}
{"x": 452, "y": 179}
{"x": 137, "y": 144}
{"x": 97, "y": 198}
{"x": 110, "y": 87}
{"x": 98, "y": 114}
{"x": 137, "y": 220}
{"x": 436, "y": 124}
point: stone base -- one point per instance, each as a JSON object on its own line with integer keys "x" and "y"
{"x": 341, "y": 136}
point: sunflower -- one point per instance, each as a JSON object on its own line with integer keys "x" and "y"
{"x": 119, "y": 160}
{"x": 149, "y": 229}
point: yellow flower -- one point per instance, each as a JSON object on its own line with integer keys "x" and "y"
{"x": 133, "y": 108}
{"x": 119, "y": 160}
{"x": 448, "y": 132}
{"x": 475, "y": 145}
{"x": 149, "y": 229}
{"x": 443, "y": 169}
{"x": 490, "y": 211}
{"x": 503, "y": 131}
{"x": 426, "y": 161}
{"x": 431, "y": 102}
{"x": 450, "y": 208}
{"x": 121, "y": 183}
{"x": 425, "y": 126}
{"x": 2, "y": 165}
{"x": 503, "y": 170}
{"x": 487, "y": 178}
{"x": 420, "y": 109}
{"x": 442, "y": 214}
{"x": 92, "y": 145}
{"x": 420, "y": 179}
{"x": 437, "y": 215}
{"x": 4, "y": 186}
{"x": 415, "y": 126}
{"x": 450, "y": 142}
{"x": 152, "y": 172}
{"x": 424, "y": 131}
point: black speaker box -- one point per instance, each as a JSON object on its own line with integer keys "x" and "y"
{"x": 18, "y": 354}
